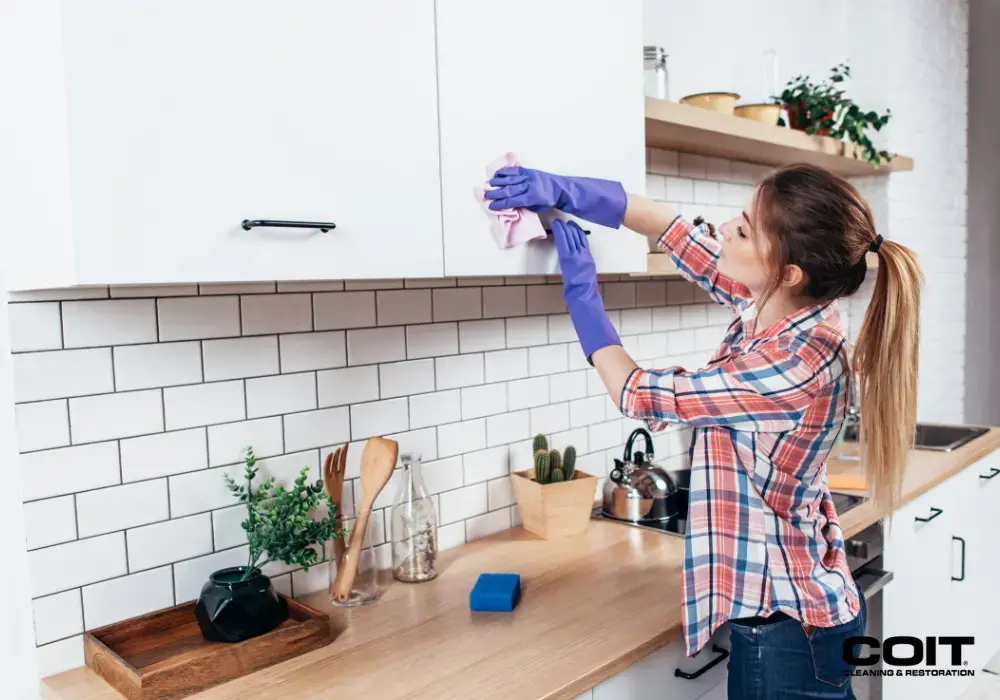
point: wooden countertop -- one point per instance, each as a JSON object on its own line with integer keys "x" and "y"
{"x": 591, "y": 605}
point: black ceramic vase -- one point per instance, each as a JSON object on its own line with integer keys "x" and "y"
{"x": 232, "y": 610}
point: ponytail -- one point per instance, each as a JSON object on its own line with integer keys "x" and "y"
{"x": 885, "y": 357}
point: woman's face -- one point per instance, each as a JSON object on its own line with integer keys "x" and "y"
{"x": 744, "y": 252}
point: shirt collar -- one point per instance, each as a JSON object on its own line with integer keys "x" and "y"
{"x": 802, "y": 320}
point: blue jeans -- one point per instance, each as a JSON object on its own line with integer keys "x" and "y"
{"x": 777, "y": 661}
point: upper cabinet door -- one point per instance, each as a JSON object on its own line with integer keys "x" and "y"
{"x": 184, "y": 118}
{"x": 559, "y": 83}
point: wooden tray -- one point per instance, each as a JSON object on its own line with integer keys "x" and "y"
{"x": 162, "y": 656}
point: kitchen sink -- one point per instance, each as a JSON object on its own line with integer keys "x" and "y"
{"x": 936, "y": 437}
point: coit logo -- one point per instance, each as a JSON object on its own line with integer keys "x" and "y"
{"x": 905, "y": 651}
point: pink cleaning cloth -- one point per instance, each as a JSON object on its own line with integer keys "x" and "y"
{"x": 510, "y": 227}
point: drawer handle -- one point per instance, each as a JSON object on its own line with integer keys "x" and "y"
{"x": 934, "y": 513}
{"x": 722, "y": 654}
{"x": 323, "y": 226}
{"x": 962, "y": 577}
{"x": 993, "y": 472}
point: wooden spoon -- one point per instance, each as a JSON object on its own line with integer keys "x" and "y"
{"x": 377, "y": 462}
{"x": 333, "y": 481}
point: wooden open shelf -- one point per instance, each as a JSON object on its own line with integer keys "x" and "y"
{"x": 687, "y": 129}
{"x": 659, "y": 265}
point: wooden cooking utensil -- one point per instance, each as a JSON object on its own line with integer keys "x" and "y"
{"x": 333, "y": 482}
{"x": 377, "y": 462}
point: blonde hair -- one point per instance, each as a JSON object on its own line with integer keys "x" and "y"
{"x": 819, "y": 221}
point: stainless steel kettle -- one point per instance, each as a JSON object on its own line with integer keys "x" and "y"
{"x": 638, "y": 491}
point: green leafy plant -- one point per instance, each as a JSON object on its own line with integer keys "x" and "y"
{"x": 550, "y": 466}
{"x": 280, "y": 523}
{"x": 823, "y": 108}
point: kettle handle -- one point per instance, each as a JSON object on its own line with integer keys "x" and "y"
{"x": 631, "y": 439}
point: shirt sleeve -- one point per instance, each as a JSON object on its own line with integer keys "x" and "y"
{"x": 766, "y": 391}
{"x": 695, "y": 253}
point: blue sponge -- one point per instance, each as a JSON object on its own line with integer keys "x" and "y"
{"x": 495, "y": 593}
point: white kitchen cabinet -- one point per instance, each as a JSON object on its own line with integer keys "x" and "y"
{"x": 558, "y": 83}
{"x": 654, "y": 677}
{"x": 147, "y": 132}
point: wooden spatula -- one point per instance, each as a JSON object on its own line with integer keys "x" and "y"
{"x": 377, "y": 462}
{"x": 333, "y": 482}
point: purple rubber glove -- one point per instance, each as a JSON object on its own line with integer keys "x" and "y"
{"x": 579, "y": 271}
{"x": 600, "y": 201}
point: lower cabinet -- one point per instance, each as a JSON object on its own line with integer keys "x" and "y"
{"x": 655, "y": 677}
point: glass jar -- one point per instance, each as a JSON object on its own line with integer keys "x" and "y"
{"x": 654, "y": 68}
{"x": 413, "y": 526}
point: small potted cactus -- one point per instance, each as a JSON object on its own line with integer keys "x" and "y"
{"x": 554, "y": 497}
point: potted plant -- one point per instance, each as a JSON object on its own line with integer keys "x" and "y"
{"x": 823, "y": 109}
{"x": 555, "y": 498}
{"x": 239, "y": 602}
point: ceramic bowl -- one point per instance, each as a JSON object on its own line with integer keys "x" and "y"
{"x": 716, "y": 101}
{"x": 767, "y": 113}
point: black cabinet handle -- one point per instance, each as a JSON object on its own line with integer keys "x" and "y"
{"x": 934, "y": 513}
{"x": 722, "y": 654}
{"x": 993, "y": 472}
{"x": 323, "y": 226}
{"x": 962, "y": 577}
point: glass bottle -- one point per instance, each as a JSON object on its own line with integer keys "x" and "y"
{"x": 414, "y": 526}
{"x": 654, "y": 66}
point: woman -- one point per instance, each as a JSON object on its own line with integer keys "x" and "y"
{"x": 764, "y": 548}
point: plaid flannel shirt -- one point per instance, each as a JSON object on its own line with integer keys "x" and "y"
{"x": 762, "y": 532}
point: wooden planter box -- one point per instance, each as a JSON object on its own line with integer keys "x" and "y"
{"x": 554, "y": 510}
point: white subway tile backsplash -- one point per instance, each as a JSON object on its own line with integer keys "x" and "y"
{"x": 190, "y": 575}
{"x": 662, "y": 162}
{"x": 227, "y": 528}
{"x": 458, "y": 304}
{"x": 488, "y": 524}
{"x": 302, "y": 352}
{"x": 486, "y": 464}
{"x": 69, "y": 470}
{"x": 194, "y": 318}
{"x": 236, "y": 358}
{"x": 317, "y": 428}
{"x": 680, "y": 342}
{"x": 694, "y": 316}
{"x": 42, "y": 425}
{"x": 478, "y": 336}
{"x": 450, "y": 536}
{"x": 108, "y": 322}
{"x": 504, "y": 365}
{"x": 76, "y": 564}
{"x": 485, "y": 400}
{"x": 546, "y": 299}
{"x": 287, "y": 393}
{"x": 525, "y": 393}
{"x": 406, "y": 378}
{"x": 111, "y": 416}
{"x": 163, "y": 454}
{"x": 379, "y": 418}
{"x": 398, "y": 307}
{"x": 619, "y": 295}
{"x": 463, "y": 503}
{"x": 530, "y": 330}
{"x": 656, "y": 186}
{"x": 437, "y": 408}
{"x": 121, "y": 598}
{"x": 706, "y": 192}
{"x": 35, "y": 327}
{"x": 459, "y": 438}
{"x": 171, "y": 541}
{"x": 60, "y": 656}
{"x": 312, "y": 581}
{"x": 57, "y": 616}
{"x": 442, "y": 475}
{"x": 431, "y": 340}
{"x": 692, "y": 165}
{"x": 340, "y": 387}
{"x": 423, "y": 442}
{"x": 340, "y": 310}
{"x": 561, "y": 329}
{"x": 568, "y": 385}
{"x": 61, "y": 373}
{"x": 507, "y": 427}
{"x": 500, "y": 493}
{"x": 547, "y": 359}
{"x": 636, "y": 321}
{"x": 49, "y": 522}
{"x": 605, "y": 435}
{"x": 203, "y": 490}
{"x": 667, "y": 319}
{"x": 157, "y": 365}
{"x": 373, "y": 345}
{"x": 276, "y": 313}
{"x": 500, "y": 302}
{"x": 680, "y": 189}
{"x": 227, "y": 442}
{"x": 458, "y": 371}
{"x": 587, "y": 411}
{"x": 204, "y": 404}
{"x": 121, "y": 507}
{"x": 550, "y": 419}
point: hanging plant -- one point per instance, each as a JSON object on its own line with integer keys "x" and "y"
{"x": 823, "y": 109}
